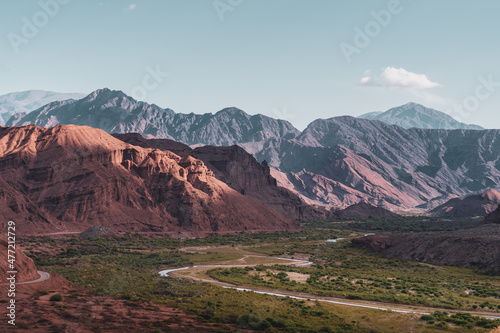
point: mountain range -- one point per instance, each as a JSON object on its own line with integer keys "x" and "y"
{"x": 115, "y": 112}
{"x": 334, "y": 162}
{"x": 27, "y": 101}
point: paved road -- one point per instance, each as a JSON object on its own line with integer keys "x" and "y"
{"x": 43, "y": 276}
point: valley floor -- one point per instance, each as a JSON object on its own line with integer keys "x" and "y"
{"x": 328, "y": 286}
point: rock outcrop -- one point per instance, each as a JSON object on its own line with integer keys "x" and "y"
{"x": 68, "y": 178}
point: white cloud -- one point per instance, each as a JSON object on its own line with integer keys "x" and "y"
{"x": 132, "y": 6}
{"x": 392, "y": 77}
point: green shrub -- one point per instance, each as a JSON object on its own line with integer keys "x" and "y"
{"x": 56, "y": 298}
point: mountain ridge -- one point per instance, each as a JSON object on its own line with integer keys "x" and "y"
{"x": 336, "y": 162}
{"x": 413, "y": 115}
{"x": 115, "y": 112}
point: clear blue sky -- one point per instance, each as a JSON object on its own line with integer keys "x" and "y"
{"x": 282, "y": 58}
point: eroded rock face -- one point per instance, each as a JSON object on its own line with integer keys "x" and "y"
{"x": 25, "y": 267}
{"x": 241, "y": 171}
{"x": 80, "y": 176}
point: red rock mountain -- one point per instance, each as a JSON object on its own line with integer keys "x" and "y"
{"x": 241, "y": 171}
{"x": 473, "y": 205}
{"x": 71, "y": 178}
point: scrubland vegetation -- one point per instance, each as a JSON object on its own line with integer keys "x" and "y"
{"x": 127, "y": 268}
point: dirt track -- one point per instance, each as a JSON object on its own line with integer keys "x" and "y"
{"x": 198, "y": 274}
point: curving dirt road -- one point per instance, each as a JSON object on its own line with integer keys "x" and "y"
{"x": 198, "y": 273}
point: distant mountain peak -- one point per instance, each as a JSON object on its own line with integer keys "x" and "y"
{"x": 106, "y": 94}
{"x": 233, "y": 111}
{"x": 23, "y": 102}
{"x": 416, "y": 115}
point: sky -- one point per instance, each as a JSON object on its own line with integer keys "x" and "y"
{"x": 297, "y": 60}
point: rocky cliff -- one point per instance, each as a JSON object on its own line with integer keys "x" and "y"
{"x": 72, "y": 177}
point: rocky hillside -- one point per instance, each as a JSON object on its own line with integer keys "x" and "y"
{"x": 25, "y": 267}
{"x": 69, "y": 178}
{"x": 364, "y": 210}
{"x": 493, "y": 217}
{"x": 473, "y": 205}
{"x": 347, "y": 160}
{"x": 474, "y": 247}
{"x": 241, "y": 171}
{"x": 415, "y": 115}
{"x": 27, "y": 101}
